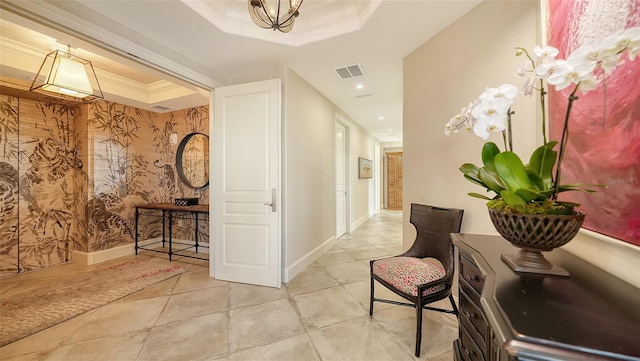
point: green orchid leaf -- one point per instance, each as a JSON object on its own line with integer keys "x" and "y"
{"x": 580, "y": 187}
{"x": 491, "y": 181}
{"x": 542, "y": 161}
{"x": 511, "y": 198}
{"x": 529, "y": 195}
{"x": 475, "y": 181}
{"x": 477, "y": 195}
{"x": 569, "y": 204}
{"x": 512, "y": 171}
{"x": 471, "y": 170}
{"x": 583, "y": 185}
{"x": 548, "y": 193}
{"x": 573, "y": 189}
{"x": 489, "y": 152}
{"x": 535, "y": 179}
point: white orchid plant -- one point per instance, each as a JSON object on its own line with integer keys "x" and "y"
{"x": 534, "y": 187}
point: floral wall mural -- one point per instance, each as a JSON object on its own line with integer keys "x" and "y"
{"x": 70, "y": 176}
{"x": 604, "y": 143}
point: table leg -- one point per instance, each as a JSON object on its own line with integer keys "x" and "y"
{"x": 170, "y": 228}
{"x": 196, "y": 214}
{"x": 163, "y": 216}
{"x": 136, "y": 231}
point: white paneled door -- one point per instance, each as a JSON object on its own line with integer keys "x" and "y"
{"x": 246, "y": 184}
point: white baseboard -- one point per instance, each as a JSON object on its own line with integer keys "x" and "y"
{"x": 288, "y": 273}
{"x": 89, "y": 258}
{"x": 360, "y": 222}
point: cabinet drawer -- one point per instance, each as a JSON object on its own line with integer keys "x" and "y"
{"x": 474, "y": 316}
{"x": 471, "y": 274}
{"x": 457, "y": 356}
{"x": 494, "y": 348}
{"x": 475, "y": 336}
{"x": 468, "y": 348}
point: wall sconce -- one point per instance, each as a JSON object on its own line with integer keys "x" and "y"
{"x": 67, "y": 74}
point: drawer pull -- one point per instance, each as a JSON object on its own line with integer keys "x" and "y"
{"x": 469, "y": 315}
{"x": 469, "y": 353}
{"x": 473, "y": 278}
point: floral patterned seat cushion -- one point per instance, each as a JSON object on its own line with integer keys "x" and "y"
{"x": 406, "y": 273}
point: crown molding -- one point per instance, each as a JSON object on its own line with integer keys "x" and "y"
{"x": 336, "y": 23}
{"x": 53, "y": 17}
{"x": 27, "y": 59}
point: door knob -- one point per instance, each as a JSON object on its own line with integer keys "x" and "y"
{"x": 273, "y": 200}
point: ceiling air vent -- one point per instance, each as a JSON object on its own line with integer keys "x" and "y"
{"x": 349, "y": 71}
{"x": 161, "y": 108}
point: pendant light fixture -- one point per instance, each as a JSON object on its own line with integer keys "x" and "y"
{"x": 67, "y": 74}
{"x": 269, "y": 14}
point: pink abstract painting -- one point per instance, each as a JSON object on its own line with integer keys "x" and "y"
{"x": 604, "y": 138}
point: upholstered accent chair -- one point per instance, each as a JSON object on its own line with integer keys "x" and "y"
{"x": 424, "y": 273}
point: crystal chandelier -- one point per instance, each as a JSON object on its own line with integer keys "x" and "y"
{"x": 269, "y": 15}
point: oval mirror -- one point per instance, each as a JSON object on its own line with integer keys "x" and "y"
{"x": 192, "y": 160}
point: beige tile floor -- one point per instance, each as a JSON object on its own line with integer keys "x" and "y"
{"x": 322, "y": 314}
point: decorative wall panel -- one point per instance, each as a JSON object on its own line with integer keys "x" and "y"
{"x": 70, "y": 177}
{"x": 9, "y": 180}
{"x": 41, "y": 152}
{"x": 133, "y": 162}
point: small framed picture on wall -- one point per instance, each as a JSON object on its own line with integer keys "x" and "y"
{"x": 365, "y": 168}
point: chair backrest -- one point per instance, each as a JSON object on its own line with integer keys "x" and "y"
{"x": 433, "y": 226}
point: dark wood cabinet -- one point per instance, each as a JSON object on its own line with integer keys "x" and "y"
{"x": 590, "y": 315}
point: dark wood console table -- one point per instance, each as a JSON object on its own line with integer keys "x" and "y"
{"x": 170, "y": 212}
{"x": 590, "y": 315}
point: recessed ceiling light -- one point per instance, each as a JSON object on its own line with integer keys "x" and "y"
{"x": 381, "y": 117}
{"x": 389, "y": 130}
{"x": 359, "y": 86}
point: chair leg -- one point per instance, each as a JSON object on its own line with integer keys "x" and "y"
{"x": 371, "y": 297}
{"x": 419, "y": 330}
{"x": 418, "y": 325}
{"x": 453, "y": 305}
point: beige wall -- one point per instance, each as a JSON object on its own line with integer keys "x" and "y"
{"x": 362, "y": 144}
{"x": 447, "y": 72}
{"x": 309, "y": 173}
